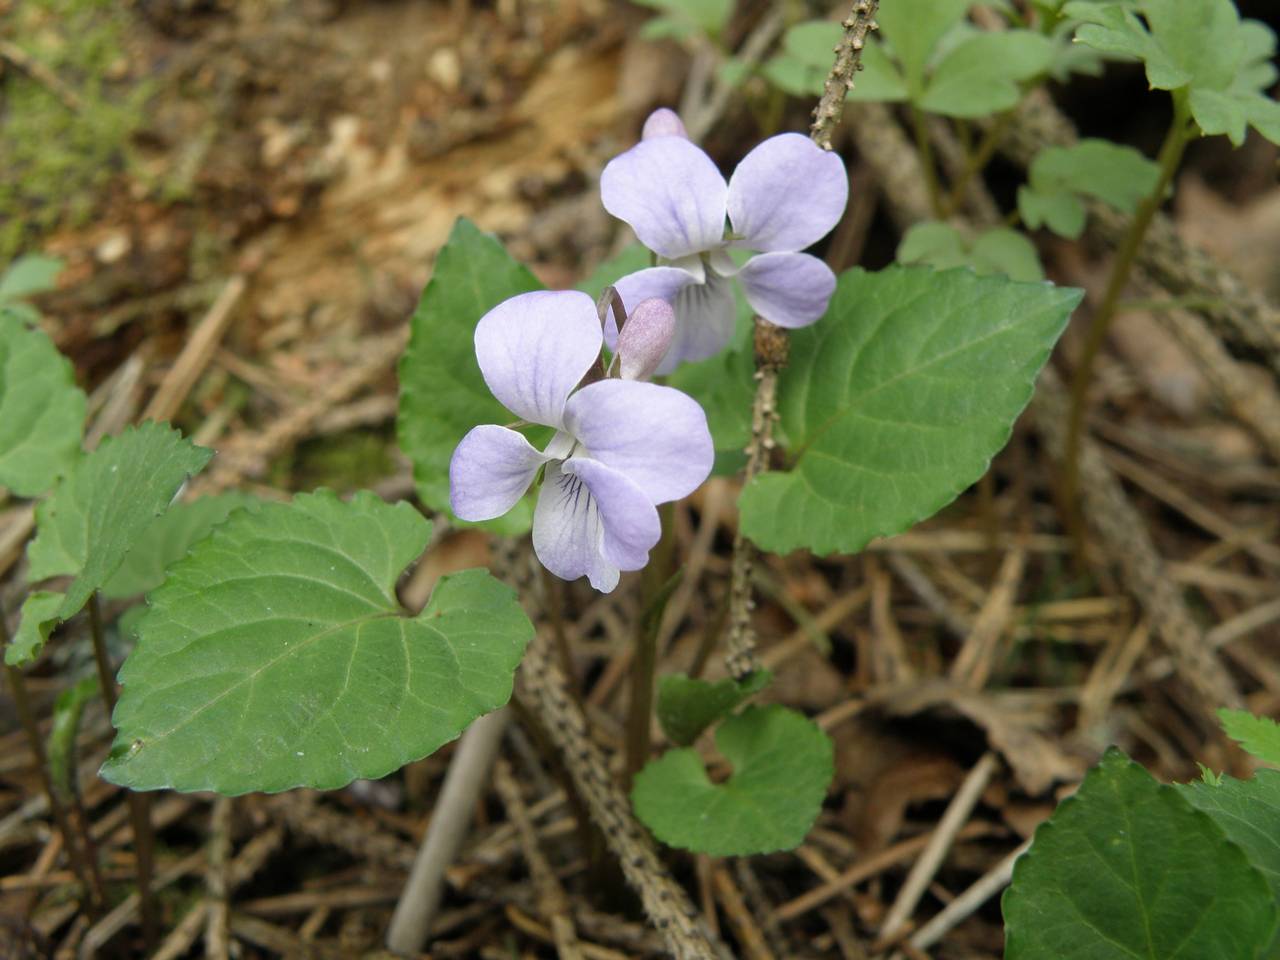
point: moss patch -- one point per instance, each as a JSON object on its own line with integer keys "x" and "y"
{"x": 56, "y": 158}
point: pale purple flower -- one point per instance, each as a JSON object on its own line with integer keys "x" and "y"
{"x": 785, "y": 195}
{"x": 620, "y": 447}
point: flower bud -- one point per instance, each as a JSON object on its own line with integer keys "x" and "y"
{"x": 663, "y": 123}
{"x": 645, "y": 338}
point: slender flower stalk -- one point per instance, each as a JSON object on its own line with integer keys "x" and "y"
{"x": 977, "y": 159}
{"x": 1181, "y": 130}
{"x": 139, "y": 806}
{"x": 655, "y": 589}
{"x": 927, "y": 164}
{"x": 84, "y": 867}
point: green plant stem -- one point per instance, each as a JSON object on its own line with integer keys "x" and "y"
{"x": 990, "y": 520}
{"x": 551, "y": 586}
{"x": 977, "y": 161}
{"x": 927, "y": 164}
{"x": 85, "y": 868}
{"x": 1159, "y": 305}
{"x": 653, "y": 593}
{"x": 711, "y": 634}
{"x": 1175, "y": 143}
{"x": 139, "y": 807}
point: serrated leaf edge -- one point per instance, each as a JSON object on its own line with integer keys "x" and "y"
{"x": 1112, "y": 755}
{"x": 823, "y": 548}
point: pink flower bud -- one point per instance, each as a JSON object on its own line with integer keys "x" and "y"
{"x": 663, "y": 123}
{"x": 645, "y": 338}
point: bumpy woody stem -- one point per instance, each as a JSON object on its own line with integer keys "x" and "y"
{"x": 771, "y": 345}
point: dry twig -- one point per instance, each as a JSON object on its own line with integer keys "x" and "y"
{"x": 940, "y": 841}
{"x": 552, "y": 901}
{"x": 541, "y": 688}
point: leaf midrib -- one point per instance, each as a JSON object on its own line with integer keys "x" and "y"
{"x": 252, "y": 675}
{"x": 850, "y": 404}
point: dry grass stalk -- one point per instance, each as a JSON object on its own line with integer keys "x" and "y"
{"x": 553, "y": 904}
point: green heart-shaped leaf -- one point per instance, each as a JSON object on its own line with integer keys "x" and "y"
{"x": 896, "y": 401}
{"x": 687, "y": 705}
{"x": 276, "y": 655}
{"x": 1127, "y": 868}
{"x": 782, "y": 766}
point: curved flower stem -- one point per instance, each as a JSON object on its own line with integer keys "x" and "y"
{"x": 551, "y": 588}
{"x": 977, "y": 161}
{"x": 139, "y": 807}
{"x": 84, "y": 867}
{"x": 656, "y": 585}
{"x": 1175, "y": 142}
{"x": 927, "y": 162}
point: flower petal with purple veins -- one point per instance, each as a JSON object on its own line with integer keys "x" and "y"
{"x": 705, "y": 318}
{"x": 655, "y": 435}
{"x": 490, "y": 470}
{"x": 629, "y": 521}
{"x": 534, "y": 348}
{"x": 671, "y": 194}
{"x": 661, "y": 283}
{"x": 786, "y": 194}
{"x": 568, "y": 533}
{"x": 788, "y": 289}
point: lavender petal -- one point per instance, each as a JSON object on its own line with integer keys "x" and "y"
{"x": 705, "y": 317}
{"x": 663, "y": 122}
{"x": 568, "y": 532}
{"x": 660, "y": 283}
{"x": 787, "y": 289}
{"x": 646, "y": 338}
{"x": 655, "y": 435}
{"x": 786, "y": 194}
{"x": 491, "y": 469}
{"x": 671, "y": 194}
{"x": 534, "y": 348}
{"x": 629, "y": 521}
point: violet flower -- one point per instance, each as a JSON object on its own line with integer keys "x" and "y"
{"x": 620, "y": 447}
{"x": 785, "y": 195}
